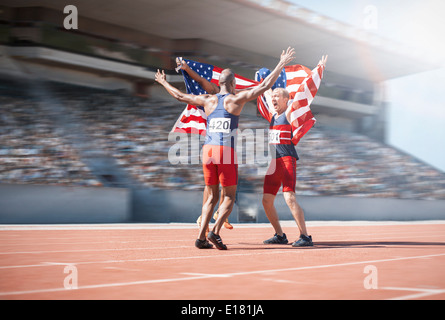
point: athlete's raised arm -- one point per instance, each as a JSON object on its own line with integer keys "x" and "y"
{"x": 208, "y": 86}
{"x": 244, "y": 96}
{"x": 197, "y": 100}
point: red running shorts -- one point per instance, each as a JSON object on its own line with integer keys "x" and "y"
{"x": 220, "y": 165}
{"x": 283, "y": 173}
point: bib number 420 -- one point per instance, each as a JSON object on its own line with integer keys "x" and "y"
{"x": 219, "y": 125}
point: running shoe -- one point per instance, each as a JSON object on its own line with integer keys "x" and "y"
{"x": 276, "y": 239}
{"x": 304, "y": 241}
{"x": 216, "y": 240}
{"x": 203, "y": 244}
{"x": 227, "y": 225}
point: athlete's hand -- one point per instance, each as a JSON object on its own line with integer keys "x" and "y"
{"x": 287, "y": 56}
{"x": 181, "y": 64}
{"x": 323, "y": 61}
{"x": 160, "y": 77}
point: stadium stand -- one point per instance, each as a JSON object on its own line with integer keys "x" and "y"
{"x": 31, "y": 148}
{"x": 34, "y": 148}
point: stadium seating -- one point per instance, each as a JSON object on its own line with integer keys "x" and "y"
{"x": 134, "y": 131}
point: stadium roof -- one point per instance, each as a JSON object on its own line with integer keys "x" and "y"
{"x": 263, "y": 29}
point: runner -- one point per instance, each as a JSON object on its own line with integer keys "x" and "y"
{"x": 282, "y": 171}
{"x": 219, "y": 156}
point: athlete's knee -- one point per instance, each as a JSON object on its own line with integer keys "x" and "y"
{"x": 288, "y": 195}
{"x": 268, "y": 199}
{"x": 229, "y": 193}
{"x": 290, "y": 199}
{"x": 230, "y": 197}
{"x": 212, "y": 195}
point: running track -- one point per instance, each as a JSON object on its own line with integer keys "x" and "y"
{"x": 404, "y": 260}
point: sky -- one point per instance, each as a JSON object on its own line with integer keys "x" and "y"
{"x": 416, "y": 103}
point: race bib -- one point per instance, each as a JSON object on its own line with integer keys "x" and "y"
{"x": 274, "y": 136}
{"x": 219, "y": 125}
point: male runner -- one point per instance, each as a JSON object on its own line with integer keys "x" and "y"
{"x": 219, "y": 157}
{"x": 210, "y": 88}
{"x": 282, "y": 170}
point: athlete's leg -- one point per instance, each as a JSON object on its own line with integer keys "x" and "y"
{"x": 271, "y": 212}
{"x": 221, "y": 199}
{"x": 215, "y": 216}
{"x": 228, "y": 177}
{"x": 272, "y": 183}
{"x": 227, "y": 224}
{"x": 211, "y": 189}
{"x": 296, "y": 210}
{"x": 210, "y": 199}
{"x": 225, "y": 207}
{"x": 289, "y": 182}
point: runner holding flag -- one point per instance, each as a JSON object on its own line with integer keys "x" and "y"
{"x": 219, "y": 157}
{"x": 287, "y": 111}
{"x": 208, "y": 87}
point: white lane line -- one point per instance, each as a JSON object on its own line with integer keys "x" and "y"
{"x": 89, "y": 250}
{"x": 7, "y": 243}
{"x": 373, "y": 241}
{"x": 214, "y": 275}
{"x": 105, "y": 285}
{"x": 421, "y": 293}
{"x": 205, "y": 276}
{"x": 264, "y": 252}
{"x": 72, "y": 243}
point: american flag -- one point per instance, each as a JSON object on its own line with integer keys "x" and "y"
{"x": 302, "y": 85}
{"x": 193, "y": 119}
{"x": 301, "y": 82}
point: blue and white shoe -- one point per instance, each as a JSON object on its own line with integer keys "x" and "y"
{"x": 304, "y": 241}
{"x": 276, "y": 239}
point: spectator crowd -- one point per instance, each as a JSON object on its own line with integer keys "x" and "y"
{"x": 135, "y": 131}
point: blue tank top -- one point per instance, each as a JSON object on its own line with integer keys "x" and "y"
{"x": 280, "y": 137}
{"x": 222, "y": 126}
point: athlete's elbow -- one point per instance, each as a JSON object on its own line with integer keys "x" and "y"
{"x": 178, "y": 96}
{"x": 263, "y": 87}
{"x": 212, "y": 90}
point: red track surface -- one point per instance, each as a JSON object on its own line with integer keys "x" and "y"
{"x": 160, "y": 262}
